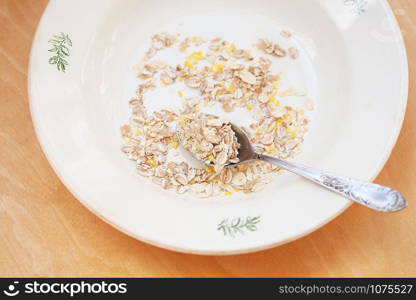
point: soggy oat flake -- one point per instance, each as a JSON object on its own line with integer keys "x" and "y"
{"x": 210, "y": 139}
{"x": 222, "y": 74}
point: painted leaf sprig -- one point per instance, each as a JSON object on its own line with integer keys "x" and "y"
{"x": 60, "y": 47}
{"x": 359, "y": 6}
{"x": 238, "y": 225}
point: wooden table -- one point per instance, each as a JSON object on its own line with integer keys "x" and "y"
{"x": 45, "y": 231}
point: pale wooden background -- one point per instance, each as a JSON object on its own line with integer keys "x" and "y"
{"x": 45, "y": 231}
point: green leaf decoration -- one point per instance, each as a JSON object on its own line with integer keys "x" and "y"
{"x": 238, "y": 225}
{"x": 60, "y": 47}
{"x": 359, "y": 6}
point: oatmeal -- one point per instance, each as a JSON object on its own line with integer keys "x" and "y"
{"x": 214, "y": 72}
{"x": 210, "y": 139}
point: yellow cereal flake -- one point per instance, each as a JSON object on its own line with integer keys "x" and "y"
{"x": 151, "y": 162}
{"x": 291, "y": 132}
{"x": 288, "y": 92}
{"x": 258, "y": 132}
{"x": 138, "y": 132}
{"x": 217, "y": 67}
{"x": 197, "y": 55}
{"x": 286, "y": 116}
{"x": 193, "y": 59}
{"x": 164, "y": 82}
{"x": 272, "y": 99}
{"x": 277, "y": 123}
{"x": 249, "y": 106}
{"x": 230, "y": 89}
{"x": 210, "y": 170}
{"x": 194, "y": 39}
{"x": 228, "y": 193}
{"x": 211, "y": 157}
{"x": 276, "y": 85}
{"x": 174, "y": 143}
{"x": 188, "y": 64}
{"x": 301, "y": 111}
{"x": 183, "y": 120}
{"x": 180, "y": 93}
{"x": 271, "y": 149}
{"x": 232, "y": 47}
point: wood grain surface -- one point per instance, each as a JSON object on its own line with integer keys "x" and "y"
{"x": 45, "y": 231}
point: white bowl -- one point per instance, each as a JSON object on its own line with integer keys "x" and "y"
{"x": 353, "y": 65}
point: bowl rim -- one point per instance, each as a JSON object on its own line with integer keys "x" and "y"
{"x": 393, "y": 140}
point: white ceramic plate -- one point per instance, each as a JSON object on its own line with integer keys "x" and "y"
{"x": 354, "y": 66}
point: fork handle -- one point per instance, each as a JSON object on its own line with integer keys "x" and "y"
{"x": 369, "y": 194}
